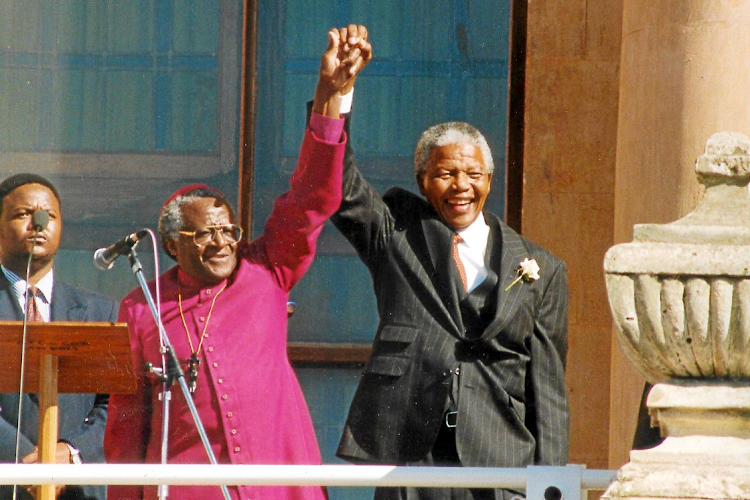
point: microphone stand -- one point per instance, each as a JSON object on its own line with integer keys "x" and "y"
{"x": 40, "y": 219}
{"x": 174, "y": 372}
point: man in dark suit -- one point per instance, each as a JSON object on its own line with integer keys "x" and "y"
{"x": 467, "y": 367}
{"x": 82, "y": 416}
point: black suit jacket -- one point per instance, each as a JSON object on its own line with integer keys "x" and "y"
{"x": 82, "y": 416}
{"x": 512, "y": 404}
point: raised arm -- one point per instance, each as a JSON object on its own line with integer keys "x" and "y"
{"x": 315, "y": 187}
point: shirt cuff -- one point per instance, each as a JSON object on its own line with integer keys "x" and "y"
{"x": 346, "y": 102}
{"x": 326, "y": 129}
{"x": 75, "y": 453}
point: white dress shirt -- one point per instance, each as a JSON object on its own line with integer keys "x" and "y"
{"x": 472, "y": 251}
{"x": 18, "y": 286}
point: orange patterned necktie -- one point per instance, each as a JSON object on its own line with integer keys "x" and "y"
{"x": 32, "y": 311}
{"x": 457, "y": 260}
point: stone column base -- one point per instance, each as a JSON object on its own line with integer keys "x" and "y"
{"x": 691, "y": 462}
{"x": 686, "y": 467}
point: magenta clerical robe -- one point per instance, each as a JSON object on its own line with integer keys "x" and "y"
{"x": 246, "y": 393}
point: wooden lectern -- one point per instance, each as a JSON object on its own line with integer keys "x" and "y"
{"x": 64, "y": 356}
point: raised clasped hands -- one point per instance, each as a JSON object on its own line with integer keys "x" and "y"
{"x": 347, "y": 54}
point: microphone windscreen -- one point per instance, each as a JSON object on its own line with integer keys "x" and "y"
{"x": 40, "y": 219}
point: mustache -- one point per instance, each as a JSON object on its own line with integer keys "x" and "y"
{"x": 232, "y": 246}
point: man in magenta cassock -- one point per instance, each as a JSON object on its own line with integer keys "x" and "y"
{"x": 224, "y": 307}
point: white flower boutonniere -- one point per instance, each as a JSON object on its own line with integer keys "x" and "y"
{"x": 528, "y": 270}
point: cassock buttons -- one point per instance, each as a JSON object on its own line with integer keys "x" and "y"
{"x": 236, "y": 449}
{"x": 224, "y": 397}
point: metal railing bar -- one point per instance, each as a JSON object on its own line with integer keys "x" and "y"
{"x": 297, "y": 475}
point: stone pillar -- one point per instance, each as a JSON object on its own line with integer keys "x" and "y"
{"x": 680, "y": 298}
{"x": 684, "y": 74}
{"x": 568, "y": 188}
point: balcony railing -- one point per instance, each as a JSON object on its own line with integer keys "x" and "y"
{"x": 570, "y": 482}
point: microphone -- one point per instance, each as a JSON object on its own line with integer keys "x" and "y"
{"x": 105, "y": 257}
{"x": 39, "y": 220}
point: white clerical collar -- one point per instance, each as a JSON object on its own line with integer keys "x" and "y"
{"x": 476, "y": 235}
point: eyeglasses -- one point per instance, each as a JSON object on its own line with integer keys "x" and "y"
{"x": 231, "y": 233}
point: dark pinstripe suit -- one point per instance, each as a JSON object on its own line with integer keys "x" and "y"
{"x": 512, "y": 405}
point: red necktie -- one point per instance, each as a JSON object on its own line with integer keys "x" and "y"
{"x": 32, "y": 311}
{"x": 457, "y": 260}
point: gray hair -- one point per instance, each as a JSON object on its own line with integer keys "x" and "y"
{"x": 450, "y": 133}
{"x": 171, "y": 221}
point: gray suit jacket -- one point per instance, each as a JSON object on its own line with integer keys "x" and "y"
{"x": 82, "y": 416}
{"x": 512, "y": 404}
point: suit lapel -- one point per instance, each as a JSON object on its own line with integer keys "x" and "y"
{"x": 65, "y": 304}
{"x": 439, "y": 242}
{"x": 513, "y": 252}
{"x": 9, "y": 306}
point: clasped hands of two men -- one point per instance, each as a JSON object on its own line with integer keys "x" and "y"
{"x": 347, "y": 54}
